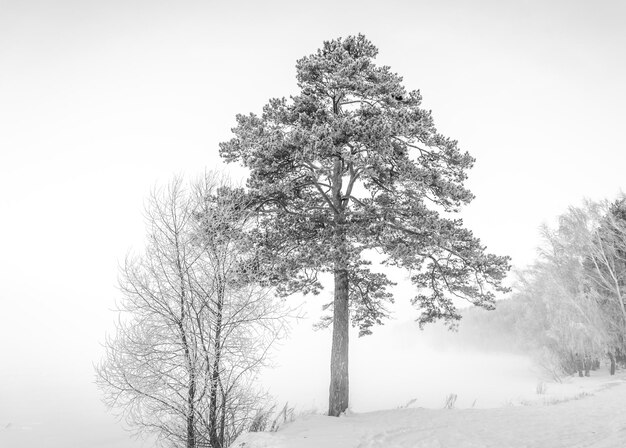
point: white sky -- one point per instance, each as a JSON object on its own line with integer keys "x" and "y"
{"x": 101, "y": 100}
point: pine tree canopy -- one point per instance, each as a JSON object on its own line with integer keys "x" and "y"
{"x": 351, "y": 165}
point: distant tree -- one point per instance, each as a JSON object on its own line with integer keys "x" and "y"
{"x": 194, "y": 326}
{"x": 605, "y": 265}
{"x": 606, "y": 258}
{"x": 576, "y": 320}
{"x": 354, "y": 164}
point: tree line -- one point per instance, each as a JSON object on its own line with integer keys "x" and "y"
{"x": 569, "y": 304}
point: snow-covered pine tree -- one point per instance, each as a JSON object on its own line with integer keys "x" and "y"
{"x": 353, "y": 163}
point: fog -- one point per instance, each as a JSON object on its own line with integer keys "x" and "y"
{"x": 100, "y": 101}
{"x": 396, "y": 364}
{"x": 54, "y": 413}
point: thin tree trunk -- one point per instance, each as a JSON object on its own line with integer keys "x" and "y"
{"x": 214, "y": 437}
{"x": 191, "y": 431}
{"x": 223, "y": 421}
{"x": 339, "y": 384}
{"x": 191, "y": 390}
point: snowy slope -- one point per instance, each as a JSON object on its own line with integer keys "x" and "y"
{"x": 583, "y": 412}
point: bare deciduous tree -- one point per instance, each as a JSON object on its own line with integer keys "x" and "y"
{"x": 195, "y": 327}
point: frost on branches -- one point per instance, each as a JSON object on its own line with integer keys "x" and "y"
{"x": 353, "y": 164}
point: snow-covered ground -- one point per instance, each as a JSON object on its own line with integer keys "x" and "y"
{"x": 580, "y": 412}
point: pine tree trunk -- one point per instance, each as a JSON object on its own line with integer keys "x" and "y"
{"x": 339, "y": 385}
